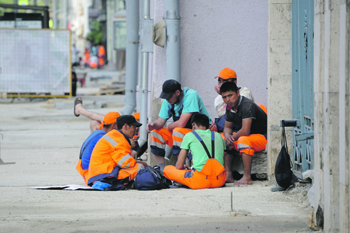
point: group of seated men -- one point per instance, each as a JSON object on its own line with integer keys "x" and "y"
{"x": 109, "y": 154}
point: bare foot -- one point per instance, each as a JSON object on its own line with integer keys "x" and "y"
{"x": 229, "y": 178}
{"x": 244, "y": 181}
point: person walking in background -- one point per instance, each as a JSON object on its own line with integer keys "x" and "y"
{"x": 101, "y": 55}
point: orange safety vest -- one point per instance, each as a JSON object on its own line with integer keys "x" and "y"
{"x": 101, "y": 51}
{"x": 111, "y": 157}
{"x": 87, "y": 56}
{"x": 101, "y": 62}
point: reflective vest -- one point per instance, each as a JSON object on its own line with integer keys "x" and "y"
{"x": 111, "y": 158}
{"x": 101, "y": 51}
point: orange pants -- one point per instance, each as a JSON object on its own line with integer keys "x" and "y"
{"x": 212, "y": 175}
{"x": 250, "y": 144}
{"x": 162, "y": 137}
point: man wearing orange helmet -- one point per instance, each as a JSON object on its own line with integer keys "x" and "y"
{"x": 109, "y": 123}
{"x": 225, "y": 75}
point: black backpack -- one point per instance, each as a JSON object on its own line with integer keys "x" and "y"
{"x": 283, "y": 172}
{"x": 149, "y": 178}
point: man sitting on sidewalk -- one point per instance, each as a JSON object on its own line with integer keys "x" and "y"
{"x": 252, "y": 133}
{"x": 109, "y": 123}
{"x": 96, "y": 124}
{"x": 225, "y": 75}
{"x": 111, "y": 165}
{"x": 207, "y": 148}
{"x": 180, "y": 105}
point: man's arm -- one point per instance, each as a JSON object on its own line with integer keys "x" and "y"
{"x": 181, "y": 159}
{"x": 181, "y": 123}
{"x": 122, "y": 157}
{"x": 157, "y": 124}
{"x": 213, "y": 127}
{"x": 144, "y": 164}
{"x": 228, "y": 133}
{"x": 245, "y": 130}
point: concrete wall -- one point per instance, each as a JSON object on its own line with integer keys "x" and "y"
{"x": 111, "y": 54}
{"x": 344, "y": 116}
{"x": 331, "y": 89}
{"x": 227, "y": 33}
{"x": 279, "y": 76}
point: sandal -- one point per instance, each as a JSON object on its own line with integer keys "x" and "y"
{"x": 78, "y": 100}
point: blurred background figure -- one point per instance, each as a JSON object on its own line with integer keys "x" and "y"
{"x": 75, "y": 56}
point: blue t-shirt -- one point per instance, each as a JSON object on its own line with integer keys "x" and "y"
{"x": 190, "y": 103}
{"x": 88, "y": 146}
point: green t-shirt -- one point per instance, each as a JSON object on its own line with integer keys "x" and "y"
{"x": 200, "y": 157}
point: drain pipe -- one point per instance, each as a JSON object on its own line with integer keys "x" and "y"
{"x": 146, "y": 48}
{"x": 132, "y": 49}
{"x": 172, "y": 19}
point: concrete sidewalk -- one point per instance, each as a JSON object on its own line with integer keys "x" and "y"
{"x": 43, "y": 139}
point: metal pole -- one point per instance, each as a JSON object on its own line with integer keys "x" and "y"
{"x": 65, "y": 14}
{"x": 46, "y": 17}
{"x": 132, "y": 49}
{"x": 144, "y": 75}
{"x": 172, "y": 18}
{"x": 54, "y": 14}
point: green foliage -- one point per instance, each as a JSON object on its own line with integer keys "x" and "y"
{"x": 6, "y": 1}
{"x": 95, "y": 36}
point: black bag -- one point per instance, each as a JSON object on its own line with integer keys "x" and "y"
{"x": 149, "y": 178}
{"x": 283, "y": 172}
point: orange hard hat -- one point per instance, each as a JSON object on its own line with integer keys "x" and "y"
{"x": 227, "y": 73}
{"x": 137, "y": 116}
{"x": 109, "y": 118}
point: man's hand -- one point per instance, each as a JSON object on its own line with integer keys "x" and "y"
{"x": 133, "y": 142}
{"x": 142, "y": 163}
{"x": 217, "y": 89}
{"x": 134, "y": 154}
{"x": 157, "y": 124}
{"x": 150, "y": 127}
{"x": 229, "y": 140}
{"x": 213, "y": 127}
